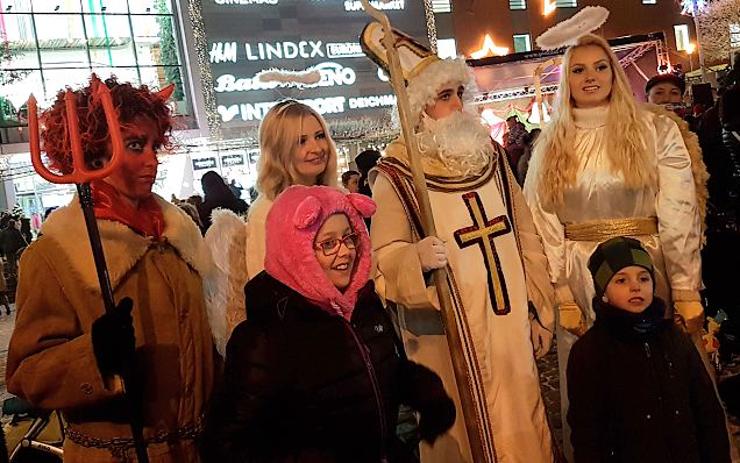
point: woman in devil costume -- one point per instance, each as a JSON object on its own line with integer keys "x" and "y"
{"x": 65, "y": 353}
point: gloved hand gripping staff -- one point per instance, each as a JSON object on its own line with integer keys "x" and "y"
{"x": 81, "y": 176}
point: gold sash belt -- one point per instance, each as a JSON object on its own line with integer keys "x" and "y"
{"x": 603, "y": 230}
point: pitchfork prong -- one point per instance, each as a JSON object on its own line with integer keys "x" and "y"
{"x": 80, "y": 172}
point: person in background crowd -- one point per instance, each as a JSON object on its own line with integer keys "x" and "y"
{"x": 722, "y": 157}
{"x": 218, "y": 195}
{"x": 235, "y": 188}
{"x": 4, "y": 297}
{"x": 523, "y": 165}
{"x": 639, "y": 392}
{"x": 316, "y": 372}
{"x": 12, "y": 241}
{"x": 195, "y": 200}
{"x": 665, "y": 89}
{"x": 606, "y": 167}
{"x": 48, "y": 211}
{"x": 365, "y": 162}
{"x": 66, "y": 353}
{"x": 295, "y": 149}
{"x": 350, "y": 181}
{"x": 192, "y": 212}
{"x": 515, "y": 140}
{"x": 25, "y": 224}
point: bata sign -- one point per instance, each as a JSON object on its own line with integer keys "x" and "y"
{"x": 245, "y": 37}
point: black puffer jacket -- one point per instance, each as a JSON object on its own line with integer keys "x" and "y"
{"x": 639, "y": 393}
{"x": 302, "y": 385}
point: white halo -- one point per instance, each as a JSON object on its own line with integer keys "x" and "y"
{"x": 567, "y": 33}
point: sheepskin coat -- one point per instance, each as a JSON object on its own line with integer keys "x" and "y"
{"x": 51, "y": 362}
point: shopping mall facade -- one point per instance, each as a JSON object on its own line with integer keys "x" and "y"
{"x": 212, "y": 50}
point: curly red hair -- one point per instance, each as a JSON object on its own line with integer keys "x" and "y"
{"x": 130, "y": 102}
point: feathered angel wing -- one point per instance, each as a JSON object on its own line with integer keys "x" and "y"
{"x": 227, "y": 241}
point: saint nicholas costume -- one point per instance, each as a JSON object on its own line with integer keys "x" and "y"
{"x": 496, "y": 266}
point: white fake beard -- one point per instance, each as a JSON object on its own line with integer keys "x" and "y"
{"x": 459, "y": 141}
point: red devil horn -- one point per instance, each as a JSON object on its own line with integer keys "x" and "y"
{"x": 165, "y": 93}
{"x": 95, "y": 82}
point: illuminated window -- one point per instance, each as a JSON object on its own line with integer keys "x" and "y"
{"x": 517, "y": 4}
{"x": 735, "y": 35}
{"x": 682, "y": 36}
{"x": 649, "y": 2}
{"x": 522, "y": 42}
{"x": 566, "y": 3}
{"x": 446, "y": 48}
{"x": 441, "y": 6}
{"x": 45, "y": 45}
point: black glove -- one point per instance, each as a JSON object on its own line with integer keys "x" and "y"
{"x": 425, "y": 393}
{"x": 113, "y": 339}
{"x": 436, "y": 417}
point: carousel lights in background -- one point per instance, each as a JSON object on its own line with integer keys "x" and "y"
{"x": 489, "y": 117}
{"x": 534, "y": 115}
{"x": 489, "y": 48}
{"x": 548, "y": 6}
{"x": 691, "y": 7}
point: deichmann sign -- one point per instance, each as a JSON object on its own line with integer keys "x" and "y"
{"x": 249, "y": 36}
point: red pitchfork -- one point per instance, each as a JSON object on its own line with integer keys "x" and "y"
{"x": 81, "y": 176}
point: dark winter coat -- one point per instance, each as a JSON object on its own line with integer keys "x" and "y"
{"x": 12, "y": 240}
{"x": 218, "y": 195}
{"x": 303, "y": 385}
{"x": 639, "y": 393}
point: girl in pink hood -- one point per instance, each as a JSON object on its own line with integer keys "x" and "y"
{"x": 316, "y": 373}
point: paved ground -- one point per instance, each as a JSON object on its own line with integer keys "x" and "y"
{"x": 550, "y": 384}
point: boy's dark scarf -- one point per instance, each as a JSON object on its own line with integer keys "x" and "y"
{"x": 628, "y": 325}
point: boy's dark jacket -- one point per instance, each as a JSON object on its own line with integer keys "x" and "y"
{"x": 297, "y": 388}
{"x": 639, "y": 392}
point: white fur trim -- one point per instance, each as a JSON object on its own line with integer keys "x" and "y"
{"x": 226, "y": 239}
{"x": 567, "y": 33}
{"x": 122, "y": 246}
{"x": 423, "y": 89}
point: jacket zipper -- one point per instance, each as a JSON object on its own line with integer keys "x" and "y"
{"x": 365, "y": 352}
{"x": 661, "y": 405}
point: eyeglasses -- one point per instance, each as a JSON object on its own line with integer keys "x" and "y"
{"x": 332, "y": 246}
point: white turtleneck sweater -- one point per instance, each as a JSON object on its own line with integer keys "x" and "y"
{"x": 599, "y": 193}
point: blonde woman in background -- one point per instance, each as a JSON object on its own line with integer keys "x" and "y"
{"x": 605, "y": 167}
{"x": 295, "y": 149}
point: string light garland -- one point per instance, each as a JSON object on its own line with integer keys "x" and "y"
{"x": 431, "y": 25}
{"x": 344, "y": 129}
{"x": 204, "y": 65}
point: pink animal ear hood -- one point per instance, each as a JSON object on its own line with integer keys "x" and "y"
{"x": 292, "y": 224}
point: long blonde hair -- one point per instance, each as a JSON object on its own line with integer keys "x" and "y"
{"x": 280, "y": 132}
{"x": 626, "y": 134}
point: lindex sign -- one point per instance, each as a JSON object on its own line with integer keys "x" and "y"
{"x": 245, "y": 37}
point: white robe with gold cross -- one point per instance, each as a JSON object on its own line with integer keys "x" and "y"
{"x": 475, "y": 218}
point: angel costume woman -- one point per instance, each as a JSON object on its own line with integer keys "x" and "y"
{"x": 605, "y": 167}
{"x": 295, "y": 149}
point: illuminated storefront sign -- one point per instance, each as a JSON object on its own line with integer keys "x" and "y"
{"x": 232, "y": 160}
{"x": 247, "y": 37}
{"x": 204, "y": 163}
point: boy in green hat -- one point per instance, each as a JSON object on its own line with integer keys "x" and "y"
{"x": 637, "y": 387}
